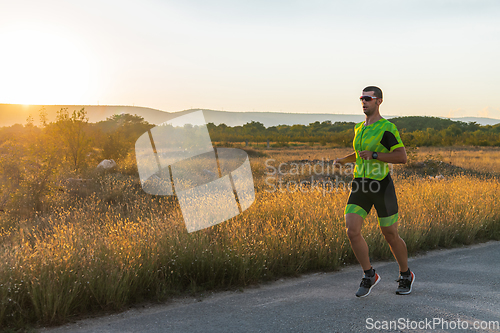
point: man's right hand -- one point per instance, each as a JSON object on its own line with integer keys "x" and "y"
{"x": 338, "y": 161}
{"x": 347, "y": 159}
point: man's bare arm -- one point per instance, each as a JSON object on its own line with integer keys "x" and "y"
{"x": 397, "y": 156}
{"x": 347, "y": 159}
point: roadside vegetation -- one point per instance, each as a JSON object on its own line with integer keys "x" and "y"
{"x": 104, "y": 245}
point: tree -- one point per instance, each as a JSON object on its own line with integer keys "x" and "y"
{"x": 71, "y": 130}
{"x": 253, "y": 128}
{"x": 121, "y": 131}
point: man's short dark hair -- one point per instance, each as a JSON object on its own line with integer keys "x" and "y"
{"x": 376, "y": 91}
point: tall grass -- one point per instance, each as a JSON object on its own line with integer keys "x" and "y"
{"x": 116, "y": 248}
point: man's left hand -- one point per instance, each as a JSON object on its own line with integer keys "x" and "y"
{"x": 366, "y": 154}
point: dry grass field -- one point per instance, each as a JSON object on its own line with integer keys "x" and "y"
{"x": 118, "y": 246}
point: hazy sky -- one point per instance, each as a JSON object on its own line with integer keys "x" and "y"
{"x": 436, "y": 57}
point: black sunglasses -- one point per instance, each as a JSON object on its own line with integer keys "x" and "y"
{"x": 367, "y": 98}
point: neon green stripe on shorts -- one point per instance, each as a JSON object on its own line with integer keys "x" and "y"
{"x": 355, "y": 209}
{"x": 388, "y": 221}
{"x": 382, "y": 221}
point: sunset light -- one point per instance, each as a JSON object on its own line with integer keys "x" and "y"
{"x": 297, "y": 57}
{"x": 42, "y": 67}
{"x": 241, "y": 166}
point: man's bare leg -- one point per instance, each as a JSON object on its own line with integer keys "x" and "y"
{"x": 397, "y": 244}
{"x": 354, "y": 222}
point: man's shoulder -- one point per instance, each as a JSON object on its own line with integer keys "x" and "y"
{"x": 387, "y": 124}
{"x": 358, "y": 125}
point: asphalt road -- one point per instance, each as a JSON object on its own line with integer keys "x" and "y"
{"x": 453, "y": 291}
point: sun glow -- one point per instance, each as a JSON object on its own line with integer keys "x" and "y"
{"x": 42, "y": 67}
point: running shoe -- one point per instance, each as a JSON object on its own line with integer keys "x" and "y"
{"x": 405, "y": 284}
{"x": 367, "y": 283}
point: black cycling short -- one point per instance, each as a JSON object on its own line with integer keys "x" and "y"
{"x": 366, "y": 193}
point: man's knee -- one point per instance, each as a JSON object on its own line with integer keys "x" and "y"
{"x": 391, "y": 238}
{"x": 390, "y": 233}
{"x": 353, "y": 225}
{"x": 353, "y": 233}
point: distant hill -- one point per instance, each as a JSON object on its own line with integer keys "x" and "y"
{"x": 478, "y": 120}
{"x": 413, "y": 123}
{"x": 17, "y": 114}
{"x": 14, "y": 113}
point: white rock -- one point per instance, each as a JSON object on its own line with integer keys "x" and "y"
{"x": 106, "y": 165}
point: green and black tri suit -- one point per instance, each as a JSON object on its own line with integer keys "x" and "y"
{"x": 372, "y": 184}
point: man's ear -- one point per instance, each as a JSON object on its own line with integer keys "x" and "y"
{"x": 379, "y": 101}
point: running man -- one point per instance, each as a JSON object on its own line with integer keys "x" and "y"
{"x": 376, "y": 143}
